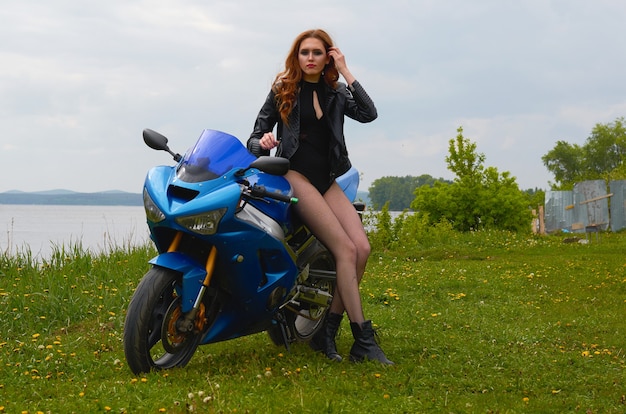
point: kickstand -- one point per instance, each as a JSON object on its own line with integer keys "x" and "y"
{"x": 283, "y": 330}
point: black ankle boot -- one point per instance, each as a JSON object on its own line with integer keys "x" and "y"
{"x": 324, "y": 339}
{"x": 365, "y": 346}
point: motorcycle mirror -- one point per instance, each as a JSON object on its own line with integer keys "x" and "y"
{"x": 155, "y": 140}
{"x": 158, "y": 142}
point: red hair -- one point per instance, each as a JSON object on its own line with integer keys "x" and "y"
{"x": 287, "y": 82}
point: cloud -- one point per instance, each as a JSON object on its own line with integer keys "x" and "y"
{"x": 80, "y": 81}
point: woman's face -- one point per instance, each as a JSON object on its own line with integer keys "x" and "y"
{"x": 313, "y": 58}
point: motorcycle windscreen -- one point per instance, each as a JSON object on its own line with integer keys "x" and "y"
{"x": 214, "y": 154}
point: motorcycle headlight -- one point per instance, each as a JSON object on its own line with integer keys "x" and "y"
{"x": 205, "y": 223}
{"x": 153, "y": 213}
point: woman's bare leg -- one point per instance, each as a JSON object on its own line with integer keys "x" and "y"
{"x": 352, "y": 225}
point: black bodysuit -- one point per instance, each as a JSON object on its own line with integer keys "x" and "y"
{"x": 312, "y": 157}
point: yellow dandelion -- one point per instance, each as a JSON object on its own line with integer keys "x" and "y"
{"x": 525, "y": 399}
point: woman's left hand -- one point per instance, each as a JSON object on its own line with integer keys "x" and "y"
{"x": 339, "y": 58}
{"x": 340, "y": 64}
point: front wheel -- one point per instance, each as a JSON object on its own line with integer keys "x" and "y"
{"x": 151, "y": 338}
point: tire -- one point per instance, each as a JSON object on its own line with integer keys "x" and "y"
{"x": 154, "y": 306}
{"x": 302, "y": 329}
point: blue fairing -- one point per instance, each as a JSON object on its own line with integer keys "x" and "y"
{"x": 279, "y": 211}
{"x": 192, "y": 272}
{"x": 349, "y": 183}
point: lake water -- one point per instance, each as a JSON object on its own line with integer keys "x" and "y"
{"x": 41, "y": 228}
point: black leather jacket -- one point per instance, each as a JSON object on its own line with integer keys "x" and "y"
{"x": 352, "y": 101}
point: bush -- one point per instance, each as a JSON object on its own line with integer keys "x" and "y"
{"x": 479, "y": 198}
{"x": 406, "y": 231}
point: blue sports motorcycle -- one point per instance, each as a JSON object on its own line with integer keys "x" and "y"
{"x": 233, "y": 259}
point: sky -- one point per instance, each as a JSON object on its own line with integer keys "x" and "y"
{"x": 81, "y": 79}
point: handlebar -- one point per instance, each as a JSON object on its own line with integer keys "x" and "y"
{"x": 260, "y": 191}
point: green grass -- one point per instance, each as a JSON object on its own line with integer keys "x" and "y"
{"x": 485, "y": 322}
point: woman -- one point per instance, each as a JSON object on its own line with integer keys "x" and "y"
{"x": 308, "y": 104}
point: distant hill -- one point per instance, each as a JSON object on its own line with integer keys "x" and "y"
{"x": 66, "y": 197}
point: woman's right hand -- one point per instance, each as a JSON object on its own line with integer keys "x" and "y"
{"x": 268, "y": 141}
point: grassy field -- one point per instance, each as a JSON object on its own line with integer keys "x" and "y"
{"x": 485, "y": 322}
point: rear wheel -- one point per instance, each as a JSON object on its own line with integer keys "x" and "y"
{"x": 151, "y": 338}
{"x": 305, "y": 319}
{"x": 310, "y": 318}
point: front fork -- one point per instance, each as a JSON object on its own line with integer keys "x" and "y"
{"x": 194, "y": 317}
{"x": 189, "y": 322}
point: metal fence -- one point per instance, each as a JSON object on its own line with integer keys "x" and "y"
{"x": 618, "y": 205}
{"x": 557, "y": 214}
{"x": 587, "y": 208}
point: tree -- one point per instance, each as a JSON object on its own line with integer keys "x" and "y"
{"x": 463, "y": 160}
{"x": 605, "y": 149}
{"x": 398, "y": 192}
{"x": 566, "y": 162}
{"x": 601, "y": 157}
{"x": 478, "y": 198}
{"x": 536, "y": 197}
